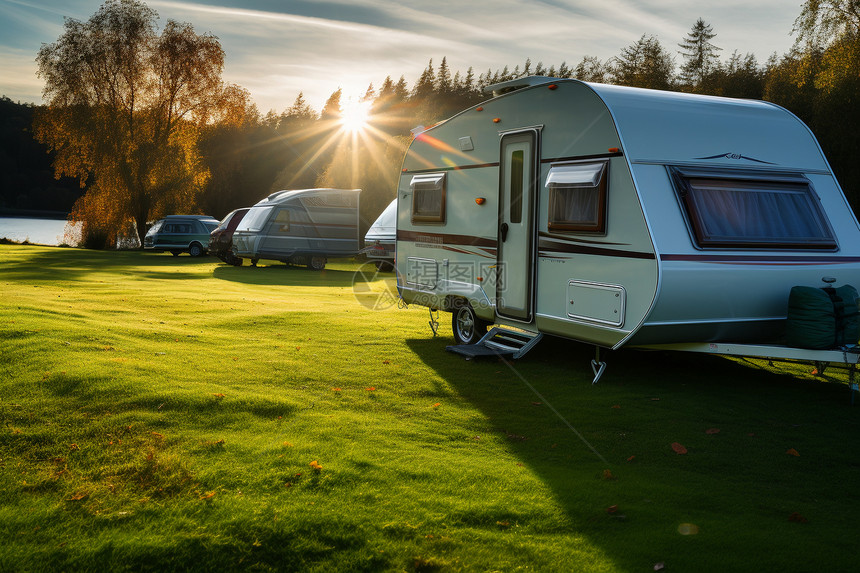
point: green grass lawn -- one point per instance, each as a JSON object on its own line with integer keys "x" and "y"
{"x": 164, "y": 413}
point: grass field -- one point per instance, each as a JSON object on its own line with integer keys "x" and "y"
{"x": 164, "y": 413}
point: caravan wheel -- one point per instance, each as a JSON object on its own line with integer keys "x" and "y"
{"x": 467, "y": 327}
{"x": 317, "y": 263}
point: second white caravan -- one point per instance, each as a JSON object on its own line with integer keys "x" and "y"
{"x": 302, "y": 227}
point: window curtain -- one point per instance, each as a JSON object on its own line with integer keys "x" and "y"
{"x": 756, "y": 214}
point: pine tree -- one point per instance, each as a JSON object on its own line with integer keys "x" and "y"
{"x": 644, "y": 64}
{"x": 331, "y": 109}
{"x": 699, "y": 53}
{"x": 443, "y": 79}
{"x": 425, "y": 85}
{"x": 401, "y": 90}
{"x": 370, "y": 94}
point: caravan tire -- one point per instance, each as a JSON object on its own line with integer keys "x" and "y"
{"x": 195, "y": 250}
{"x": 467, "y": 327}
{"x": 317, "y": 263}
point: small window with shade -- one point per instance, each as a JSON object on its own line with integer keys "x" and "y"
{"x": 577, "y": 197}
{"x": 428, "y": 198}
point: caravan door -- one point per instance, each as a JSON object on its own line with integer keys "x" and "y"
{"x": 514, "y": 273}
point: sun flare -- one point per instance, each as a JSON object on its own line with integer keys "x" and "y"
{"x": 354, "y": 115}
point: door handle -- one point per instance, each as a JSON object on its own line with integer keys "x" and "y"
{"x": 503, "y": 230}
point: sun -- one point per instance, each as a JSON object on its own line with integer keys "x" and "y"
{"x": 355, "y": 115}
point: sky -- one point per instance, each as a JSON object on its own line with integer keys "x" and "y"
{"x": 277, "y": 49}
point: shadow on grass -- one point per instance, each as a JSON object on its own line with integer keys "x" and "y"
{"x": 606, "y": 452}
{"x": 281, "y": 274}
{"x": 77, "y": 264}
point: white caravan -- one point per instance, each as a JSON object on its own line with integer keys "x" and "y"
{"x": 380, "y": 239}
{"x": 620, "y": 217}
{"x": 301, "y": 227}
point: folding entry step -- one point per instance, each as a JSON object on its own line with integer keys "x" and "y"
{"x": 499, "y": 341}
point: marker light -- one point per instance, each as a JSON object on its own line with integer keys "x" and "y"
{"x": 613, "y": 150}
{"x": 497, "y": 119}
{"x": 479, "y": 108}
{"x": 479, "y": 200}
{"x": 552, "y": 86}
{"x": 480, "y": 278}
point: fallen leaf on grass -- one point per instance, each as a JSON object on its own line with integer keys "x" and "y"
{"x": 612, "y": 509}
{"x": 631, "y": 458}
{"x": 81, "y": 495}
{"x": 386, "y": 362}
{"x": 335, "y": 389}
{"x": 607, "y": 475}
{"x": 712, "y": 431}
{"x": 659, "y": 566}
{"x": 616, "y": 407}
{"x": 315, "y": 465}
{"x": 688, "y": 529}
{"x": 219, "y": 396}
{"x": 74, "y": 447}
{"x": 371, "y": 388}
{"x": 436, "y": 405}
{"x": 793, "y": 452}
{"x": 797, "y": 518}
{"x": 157, "y": 435}
{"x": 209, "y": 495}
{"x": 678, "y": 448}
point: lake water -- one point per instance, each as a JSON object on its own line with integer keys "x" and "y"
{"x": 36, "y": 231}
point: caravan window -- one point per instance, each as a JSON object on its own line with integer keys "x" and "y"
{"x": 428, "y": 198}
{"x": 254, "y": 219}
{"x": 752, "y": 210}
{"x": 282, "y": 220}
{"x": 577, "y": 197}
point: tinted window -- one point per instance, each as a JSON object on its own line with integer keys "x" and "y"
{"x": 755, "y": 212}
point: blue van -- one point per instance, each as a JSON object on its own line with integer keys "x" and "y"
{"x": 181, "y": 233}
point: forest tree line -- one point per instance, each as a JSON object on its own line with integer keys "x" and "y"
{"x": 240, "y": 155}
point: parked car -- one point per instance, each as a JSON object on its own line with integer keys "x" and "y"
{"x": 221, "y": 239}
{"x": 181, "y": 233}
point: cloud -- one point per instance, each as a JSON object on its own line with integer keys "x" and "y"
{"x": 278, "y": 49}
{"x": 18, "y": 75}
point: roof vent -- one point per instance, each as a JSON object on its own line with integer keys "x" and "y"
{"x": 519, "y": 83}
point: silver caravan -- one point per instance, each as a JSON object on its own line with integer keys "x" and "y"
{"x": 302, "y": 227}
{"x": 620, "y": 217}
{"x": 380, "y": 239}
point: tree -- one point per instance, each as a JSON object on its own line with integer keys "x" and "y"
{"x": 591, "y": 69}
{"x": 821, "y": 21}
{"x": 739, "y": 77}
{"x": 699, "y": 53}
{"x": 644, "y": 64}
{"x": 331, "y": 108}
{"x": 126, "y": 105}
{"x": 426, "y": 84}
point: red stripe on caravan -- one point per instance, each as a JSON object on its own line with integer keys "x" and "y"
{"x": 763, "y": 259}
